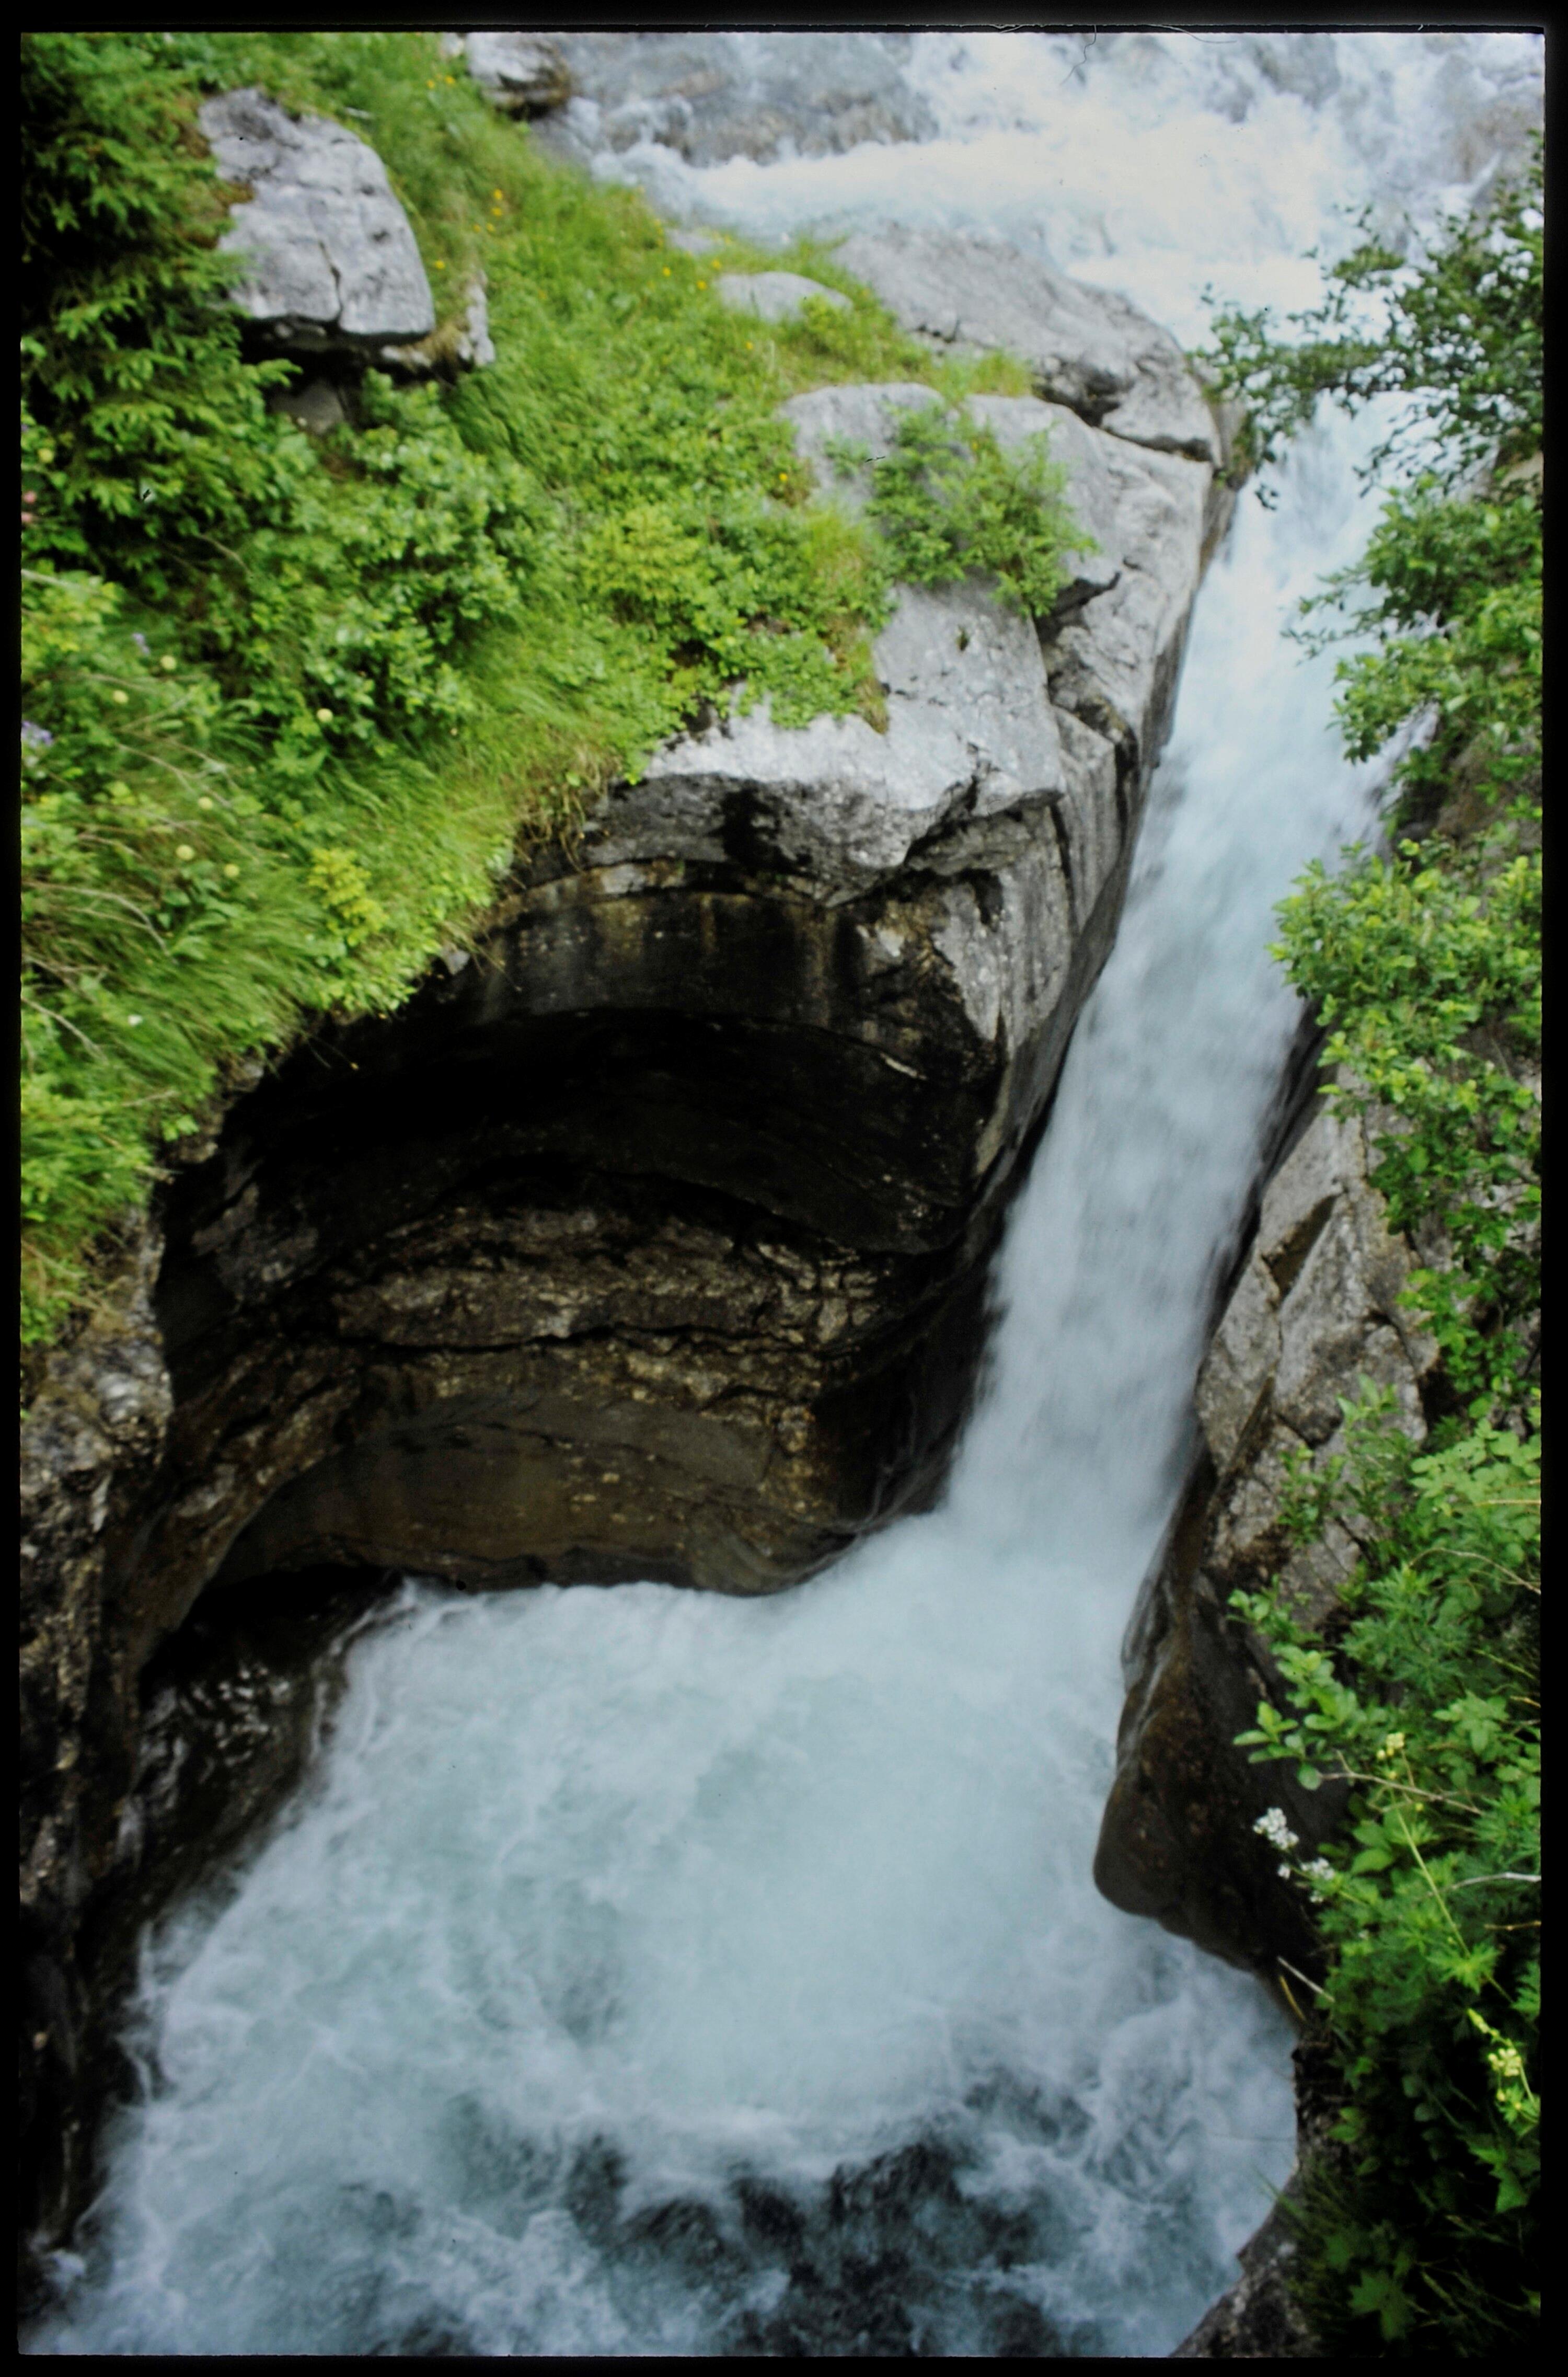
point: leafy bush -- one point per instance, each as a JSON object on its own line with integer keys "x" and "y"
{"x": 1430, "y": 975}
{"x": 1457, "y": 650}
{"x": 289, "y": 700}
{"x": 947, "y": 502}
{"x": 1420, "y": 2227}
{"x": 1429, "y": 1904}
{"x": 1456, "y": 325}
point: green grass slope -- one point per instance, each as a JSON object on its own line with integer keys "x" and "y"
{"x": 289, "y": 702}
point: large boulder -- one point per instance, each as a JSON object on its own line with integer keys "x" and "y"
{"x": 790, "y": 1011}
{"x": 333, "y": 262}
{"x": 1088, "y": 348}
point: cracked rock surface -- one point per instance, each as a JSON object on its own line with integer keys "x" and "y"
{"x": 1313, "y": 1310}
{"x": 333, "y": 262}
{"x": 1088, "y": 348}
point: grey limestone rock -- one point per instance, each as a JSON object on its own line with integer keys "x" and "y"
{"x": 475, "y": 344}
{"x": 316, "y": 404}
{"x": 1239, "y": 1365}
{"x": 1329, "y": 1332}
{"x": 1088, "y": 348}
{"x": 522, "y": 74}
{"x": 1118, "y": 656}
{"x": 1256, "y": 2319}
{"x": 1314, "y": 1313}
{"x": 838, "y": 807}
{"x": 333, "y": 260}
{"x": 774, "y": 296}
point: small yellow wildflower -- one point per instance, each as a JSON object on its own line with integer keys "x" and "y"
{"x": 231, "y": 871}
{"x": 325, "y": 716}
{"x": 167, "y": 661}
{"x": 122, "y": 697}
{"x": 204, "y": 802}
{"x": 184, "y": 851}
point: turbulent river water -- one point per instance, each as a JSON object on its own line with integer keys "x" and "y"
{"x": 645, "y": 1971}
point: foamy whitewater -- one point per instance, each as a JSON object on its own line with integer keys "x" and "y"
{"x": 645, "y": 1971}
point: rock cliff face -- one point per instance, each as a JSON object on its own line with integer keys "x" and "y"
{"x": 650, "y": 1241}
{"x": 1313, "y": 1311}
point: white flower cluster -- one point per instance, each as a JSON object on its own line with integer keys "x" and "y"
{"x": 1275, "y": 1829}
{"x": 1277, "y": 1833}
{"x": 1316, "y": 1876}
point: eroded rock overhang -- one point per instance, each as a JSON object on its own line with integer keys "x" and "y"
{"x": 652, "y": 1241}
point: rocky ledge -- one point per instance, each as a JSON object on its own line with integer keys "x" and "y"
{"x": 1313, "y": 1310}
{"x": 1310, "y": 1310}
{"x": 650, "y": 1240}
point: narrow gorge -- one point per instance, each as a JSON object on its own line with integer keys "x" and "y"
{"x": 829, "y": 1168}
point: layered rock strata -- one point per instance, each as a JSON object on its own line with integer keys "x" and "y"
{"x": 648, "y": 1241}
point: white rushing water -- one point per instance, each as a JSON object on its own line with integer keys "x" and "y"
{"x": 646, "y": 1971}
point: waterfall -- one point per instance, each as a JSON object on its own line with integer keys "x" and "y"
{"x": 646, "y": 1971}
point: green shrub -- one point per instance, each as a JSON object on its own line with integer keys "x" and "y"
{"x": 1424, "y": 2228}
{"x": 947, "y": 502}
{"x": 1454, "y": 325}
{"x": 1429, "y": 975}
{"x": 1419, "y": 2227}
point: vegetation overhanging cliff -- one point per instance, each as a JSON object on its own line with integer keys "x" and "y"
{"x": 1368, "y": 1497}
